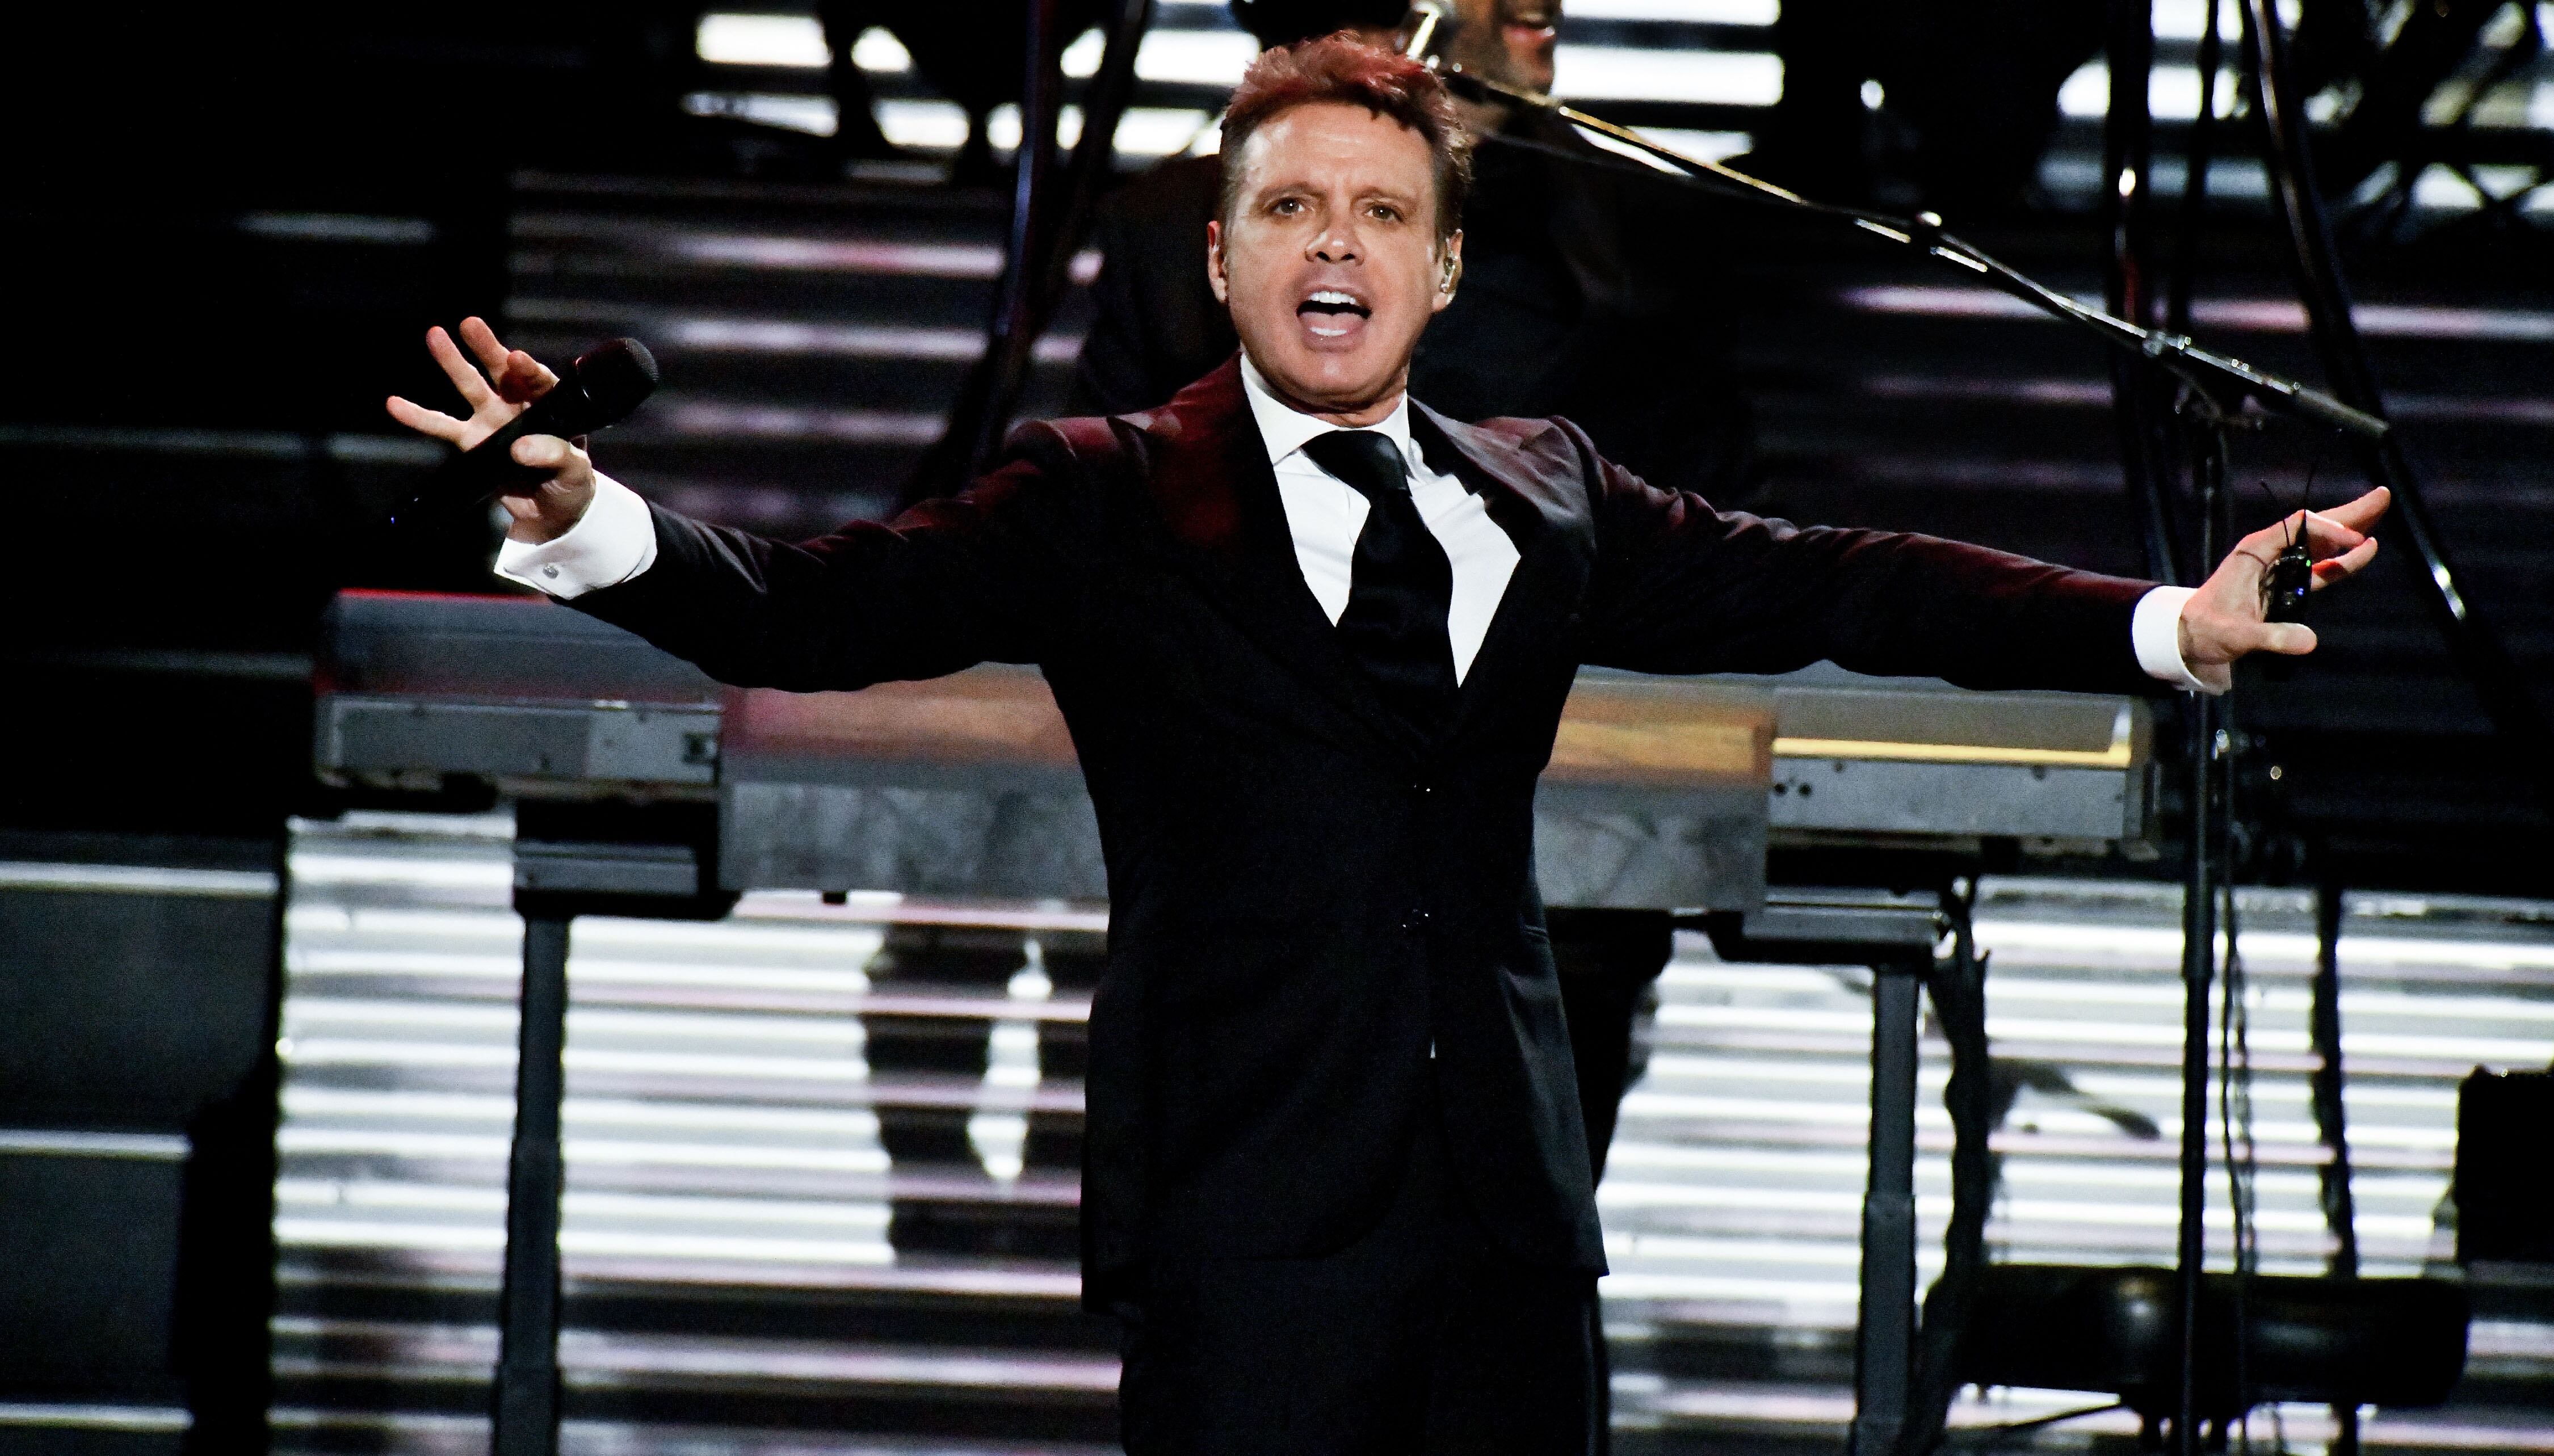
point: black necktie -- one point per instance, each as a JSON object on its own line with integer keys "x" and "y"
{"x": 1400, "y": 582}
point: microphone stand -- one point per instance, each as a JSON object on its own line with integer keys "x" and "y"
{"x": 2175, "y": 354}
{"x": 2202, "y": 375}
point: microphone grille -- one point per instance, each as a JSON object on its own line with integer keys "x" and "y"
{"x": 614, "y": 377}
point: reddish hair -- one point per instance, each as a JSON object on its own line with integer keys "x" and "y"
{"x": 1342, "y": 68}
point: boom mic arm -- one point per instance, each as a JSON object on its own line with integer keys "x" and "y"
{"x": 2174, "y": 353}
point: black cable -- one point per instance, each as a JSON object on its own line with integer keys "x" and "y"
{"x": 2234, "y": 1135}
{"x": 1957, "y": 986}
{"x": 2323, "y": 1029}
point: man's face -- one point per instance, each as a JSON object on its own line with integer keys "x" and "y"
{"x": 1507, "y": 41}
{"x": 1330, "y": 263}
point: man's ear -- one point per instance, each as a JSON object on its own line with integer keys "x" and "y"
{"x": 1449, "y": 271}
{"x": 1215, "y": 278}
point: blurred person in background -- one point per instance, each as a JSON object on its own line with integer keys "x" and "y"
{"x": 1965, "y": 104}
{"x": 975, "y": 54}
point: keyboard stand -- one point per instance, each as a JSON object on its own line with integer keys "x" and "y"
{"x": 569, "y": 860}
{"x": 1895, "y": 936}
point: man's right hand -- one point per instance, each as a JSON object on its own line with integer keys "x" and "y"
{"x": 514, "y": 380}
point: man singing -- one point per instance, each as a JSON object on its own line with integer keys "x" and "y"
{"x": 1313, "y": 641}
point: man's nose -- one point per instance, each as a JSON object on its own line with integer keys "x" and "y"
{"x": 1337, "y": 242}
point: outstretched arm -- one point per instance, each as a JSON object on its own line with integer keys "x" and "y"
{"x": 1680, "y": 587}
{"x": 979, "y": 577}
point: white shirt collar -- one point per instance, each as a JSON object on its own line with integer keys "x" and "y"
{"x": 1284, "y": 429}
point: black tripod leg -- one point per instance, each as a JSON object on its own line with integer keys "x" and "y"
{"x": 526, "y": 1405}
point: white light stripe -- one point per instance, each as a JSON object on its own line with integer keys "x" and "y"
{"x": 898, "y": 910}
{"x": 144, "y": 1147}
{"x": 308, "y": 918}
{"x": 1637, "y": 1153}
{"x": 303, "y": 1140}
{"x": 2265, "y": 315}
{"x": 829, "y": 254}
{"x": 1645, "y": 1285}
{"x": 1613, "y": 73}
{"x": 1643, "y": 1103}
{"x": 1775, "y": 1018}
{"x": 2172, "y": 92}
{"x": 311, "y": 1101}
{"x": 131, "y": 879}
{"x": 1759, "y": 13}
{"x": 856, "y": 341}
{"x": 716, "y": 418}
{"x": 94, "y": 1416}
{"x": 1749, "y": 1250}
{"x": 796, "y": 42}
{"x": 319, "y": 1233}
{"x": 1623, "y": 1194}
{"x": 495, "y": 875}
{"x": 591, "y": 1351}
{"x": 586, "y": 1023}
{"x": 1194, "y": 57}
{"x": 589, "y": 1207}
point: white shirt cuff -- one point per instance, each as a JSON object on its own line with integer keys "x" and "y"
{"x": 2155, "y": 632}
{"x": 614, "y": 541}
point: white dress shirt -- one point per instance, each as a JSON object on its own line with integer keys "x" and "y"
{"x": 616, "y": 539}
{"x": 1324, "y": 513}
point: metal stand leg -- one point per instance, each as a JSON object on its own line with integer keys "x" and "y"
{"x": 1885, "y": 1336}
{"x": 526, "y": 1399}
{"x": 1895, "y": 936}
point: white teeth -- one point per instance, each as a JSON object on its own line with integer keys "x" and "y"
{"x": 1334, "y": 296}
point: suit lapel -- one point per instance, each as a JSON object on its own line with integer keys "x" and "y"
{"x": 1538, "y": 497}
{"x": 1226, "y": 531}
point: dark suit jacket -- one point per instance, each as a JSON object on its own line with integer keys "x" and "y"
{"x": 1585, "y": 293}
{"x": 1304, "y": 892}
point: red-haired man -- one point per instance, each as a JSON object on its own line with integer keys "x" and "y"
{"x": 1313, "y": 641}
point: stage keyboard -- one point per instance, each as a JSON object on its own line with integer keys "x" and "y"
{"x": 1662, "y": 793}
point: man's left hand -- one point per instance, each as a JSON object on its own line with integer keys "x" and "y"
{"x": 2224, "y": 622}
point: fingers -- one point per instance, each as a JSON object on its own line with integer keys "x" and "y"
{"x": 2323, "y": 535}
{"x": 544, "y": 452}
{"x": 2348, "y": 564}
{"x": 2221, "y": 641}
{"x": 427, "y": 421}
{"x": 2287, "y": 638}
{"x": 474, "y": 388}
{"x": 2362, "y": 514}
{"x": 524, "y": 378}
{"x": 483, "y": 342}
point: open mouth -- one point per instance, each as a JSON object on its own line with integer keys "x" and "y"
{"x": 1333, "y": 313}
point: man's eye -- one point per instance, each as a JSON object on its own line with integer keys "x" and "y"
{"x": 1287, "y": 206}
{"x": 1385, "y": 212}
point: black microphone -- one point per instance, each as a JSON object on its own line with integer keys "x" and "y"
{"x": 600, "y": 389}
